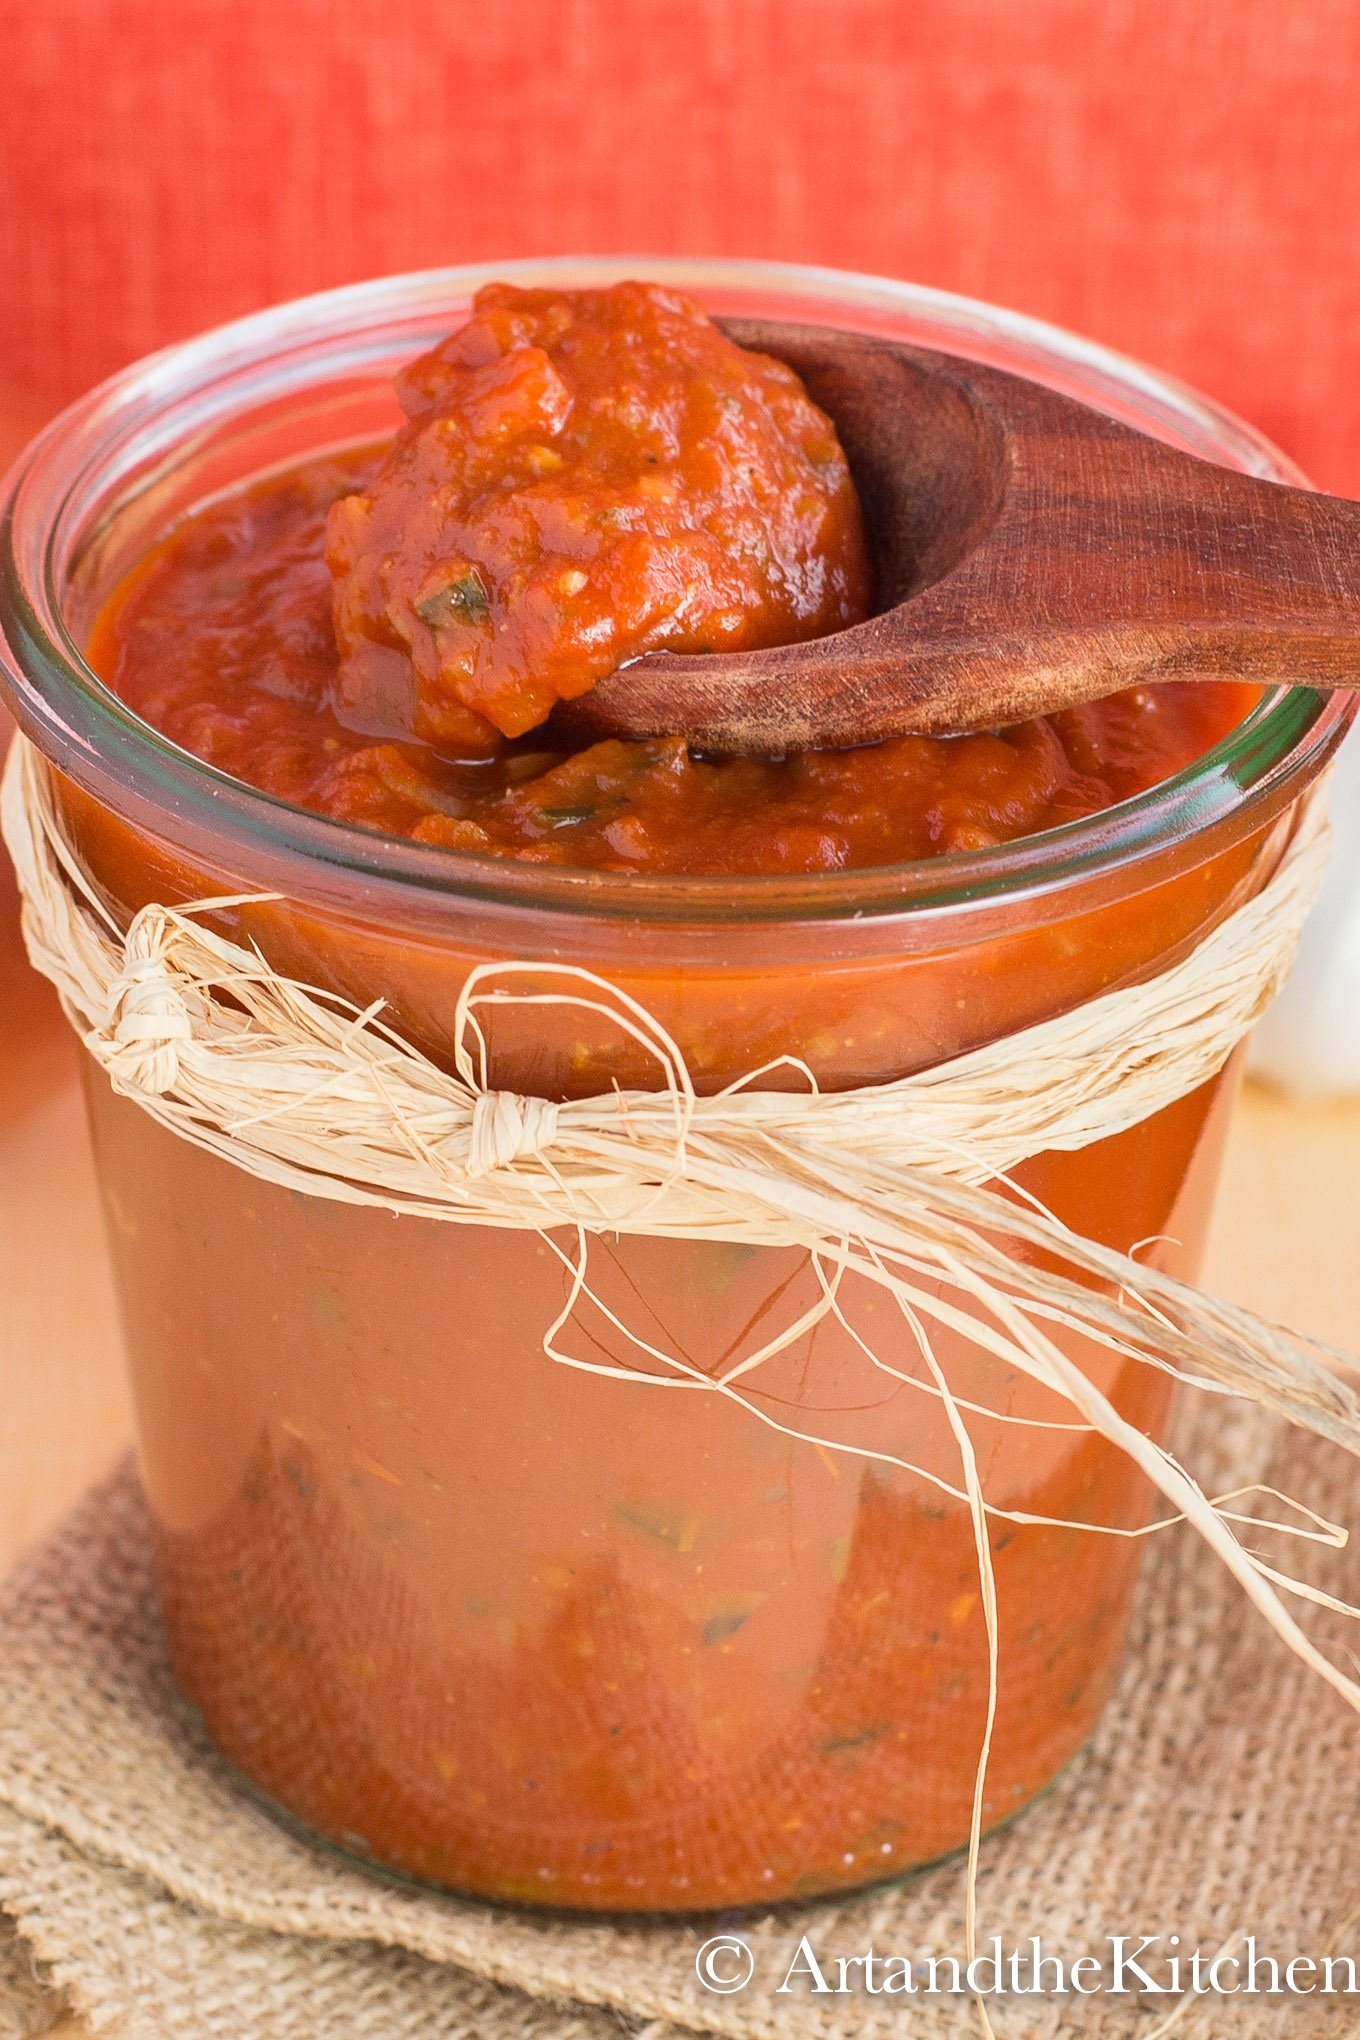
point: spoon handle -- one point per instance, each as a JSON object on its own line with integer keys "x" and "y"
{"x": 1191, "y": 572}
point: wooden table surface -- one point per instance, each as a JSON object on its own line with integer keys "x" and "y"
{"x": 1286, "y": 1241}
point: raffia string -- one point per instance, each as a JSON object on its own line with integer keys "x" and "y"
{"x": 903, "y": 1185}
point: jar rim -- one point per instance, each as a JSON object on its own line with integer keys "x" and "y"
{"x": 82, "y": 727}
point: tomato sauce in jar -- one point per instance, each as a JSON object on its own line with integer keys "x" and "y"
{"x": 587, "y": 476}
{"x": 467, "y": 1612}
{"x": 223, "y": 639}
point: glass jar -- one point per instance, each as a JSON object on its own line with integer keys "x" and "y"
{"x": 517, "y": 1628}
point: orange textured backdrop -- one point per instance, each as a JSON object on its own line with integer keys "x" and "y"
{"x": 1178, "y": 177}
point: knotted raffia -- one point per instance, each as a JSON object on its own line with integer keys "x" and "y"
{"x": 895, "y": 1183}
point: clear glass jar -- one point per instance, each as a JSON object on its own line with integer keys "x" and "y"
{"x": 513, "y": 1627}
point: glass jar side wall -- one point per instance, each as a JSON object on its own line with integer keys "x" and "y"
{"x": 518, "y": 1629}
{"x": 528, "y": 1632}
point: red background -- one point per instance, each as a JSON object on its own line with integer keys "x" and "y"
{"x": 1178, "y": 177}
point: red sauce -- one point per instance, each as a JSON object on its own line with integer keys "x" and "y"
{"x": 588, "y": 475}
{"x": 223, "y": 639}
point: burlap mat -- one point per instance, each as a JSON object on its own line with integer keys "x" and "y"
{"x": 1219, "y": 1797}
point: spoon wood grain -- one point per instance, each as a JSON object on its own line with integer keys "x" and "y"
{"x": 1030, "y": 552}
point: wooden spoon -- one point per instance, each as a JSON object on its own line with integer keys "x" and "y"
{"x": 1030, "y": 553}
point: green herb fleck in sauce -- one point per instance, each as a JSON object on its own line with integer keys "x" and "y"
{"x": 462, "y": 598}
{"x": 563, "y": 817}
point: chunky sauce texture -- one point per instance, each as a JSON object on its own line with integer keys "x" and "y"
{"x": 586, "y": 476}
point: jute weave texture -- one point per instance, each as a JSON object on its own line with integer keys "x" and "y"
{"x": 1217, "y": 1799}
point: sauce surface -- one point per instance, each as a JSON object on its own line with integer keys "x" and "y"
{"x": 586, "y": 476}
{"x": 223, "y": 639}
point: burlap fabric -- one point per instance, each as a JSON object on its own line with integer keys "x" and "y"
{"x": 1218, "y": 1798}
